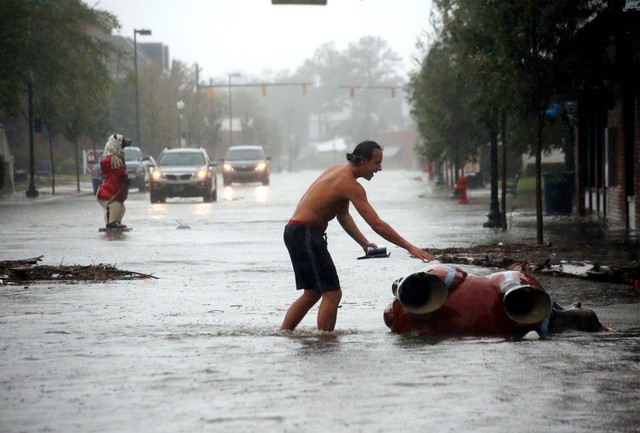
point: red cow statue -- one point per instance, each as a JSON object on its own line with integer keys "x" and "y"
{"x": 444, "y": 300}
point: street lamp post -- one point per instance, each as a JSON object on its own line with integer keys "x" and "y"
{"x": 494, "y": 209}
{"x": 180, "y": 106}
{"x": 136, "y": 32}
{"x": 231, "y": 111}
{"x": 32, "y": 192}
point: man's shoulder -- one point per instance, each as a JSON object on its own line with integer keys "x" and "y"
{"x": 339, "y": 170}
{"x": 341, "y": 175}
{"x": 333, "y": 169}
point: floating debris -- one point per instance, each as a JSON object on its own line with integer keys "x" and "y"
{"x": 182, "y": 226}
{"x": 551, "y": 259}
{"x": 14, "y": 272}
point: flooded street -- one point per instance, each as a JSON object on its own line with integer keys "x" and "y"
{"x": 198, "y": 349}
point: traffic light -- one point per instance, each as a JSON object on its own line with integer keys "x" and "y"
{"x": 211, "y": 93}
{"x": 352, "y": 91}
{"x": 264, "y": 90}
{"x": 393, "y": 92}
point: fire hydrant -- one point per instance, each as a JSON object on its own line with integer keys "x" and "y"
{"x": 461, "y": 188}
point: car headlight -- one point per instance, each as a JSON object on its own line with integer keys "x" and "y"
{"x": 202, "y": 174}
{"x": 261, "y": 166}
{"x": 156, "y": 174}
{"x": 227, "y": 167}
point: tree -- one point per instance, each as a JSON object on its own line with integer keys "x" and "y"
{"x": 161, "y": 122}
{"x": 61, "y": 50}
{"x": 471, "y": 29}
{"x": 370, "y": 64}
{"x": 325, "y": 70}
{"x": 515, "y": 54}
{"x": 534, "y": 34}
{"x": 370, "y": 67}
{"x": 56, "y": 46}
{"x": 441, "y": 98}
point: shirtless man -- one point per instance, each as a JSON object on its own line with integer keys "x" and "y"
{"x": 327, "y": 198}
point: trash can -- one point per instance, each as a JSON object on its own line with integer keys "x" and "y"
{"x": 558, "y": 193}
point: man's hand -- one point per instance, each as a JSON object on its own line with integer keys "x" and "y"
{"x": 367, "y": 245}
{"x": 421, "y": 254}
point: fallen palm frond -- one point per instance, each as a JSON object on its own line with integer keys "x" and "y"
{"x": 23, "y": 270}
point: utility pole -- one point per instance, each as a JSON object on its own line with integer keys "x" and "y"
{"x": 136, "y": 32}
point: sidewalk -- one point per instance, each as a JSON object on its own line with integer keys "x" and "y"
{"x": 45, "y": 193}
{"x": 582, "y": 237}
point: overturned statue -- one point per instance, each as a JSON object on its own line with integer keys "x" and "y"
{"x": 444, "y": 300}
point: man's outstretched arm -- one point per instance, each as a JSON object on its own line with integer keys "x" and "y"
{"x": 387, "y": 232}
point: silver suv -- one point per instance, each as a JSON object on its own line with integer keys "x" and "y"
{"x": 245, "y": 164}
{"x": 183, "y": 172}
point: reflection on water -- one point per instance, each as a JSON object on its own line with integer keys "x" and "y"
{"x": 114, "y": 236}
{"x": 203, "y": 209}
{"x": 315, "y": 342}
{"x": 227, "y": 193}
{"x": 262, "y": 194}
{"x": 158, "y": 211}
{"x": 259, "y": 193}
{"x": 321, "y": 344}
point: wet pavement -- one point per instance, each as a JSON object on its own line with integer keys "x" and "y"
{"x": 198, "y": 348}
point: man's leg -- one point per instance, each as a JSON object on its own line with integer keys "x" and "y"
{"x": 328, "y": 312}
{"x": 299, "y": 309}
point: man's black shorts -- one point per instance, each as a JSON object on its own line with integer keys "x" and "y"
{"x": 312, "y": 263}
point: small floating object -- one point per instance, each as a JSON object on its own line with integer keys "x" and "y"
{"x": 182, "y": 226}
{"x": 375, "y": 253}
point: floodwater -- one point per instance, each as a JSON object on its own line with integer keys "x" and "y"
{"x": 197, "y": 350}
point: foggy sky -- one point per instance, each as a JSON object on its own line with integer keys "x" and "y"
{"x": 250, "y": 36}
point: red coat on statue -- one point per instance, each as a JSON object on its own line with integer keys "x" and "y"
{"x": 114, "y": 187}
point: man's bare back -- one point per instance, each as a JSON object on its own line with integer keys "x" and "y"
{"x": 326, "y": 197}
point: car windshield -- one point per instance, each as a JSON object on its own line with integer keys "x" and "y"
{"x": 130, "y": 155}
{"x": 244, "y": 154}
{"x": 182, "y": 158}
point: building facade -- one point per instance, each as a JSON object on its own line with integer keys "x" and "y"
{"x": 607, "y": 153}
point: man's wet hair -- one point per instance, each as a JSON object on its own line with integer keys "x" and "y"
{"x": 363, "y": 152}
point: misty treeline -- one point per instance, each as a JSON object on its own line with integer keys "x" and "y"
{"x": 83, "y": 86}
{"x": 499, "y": 73}
{"x": 54, "y": 48}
